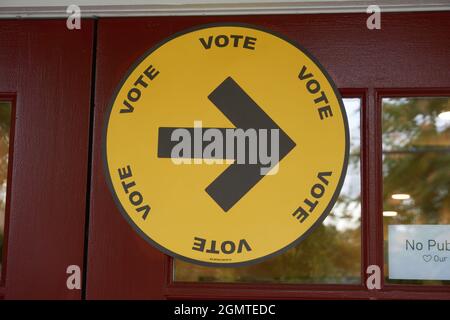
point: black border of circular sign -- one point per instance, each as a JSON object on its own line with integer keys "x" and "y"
{"x": 231, "y": 264}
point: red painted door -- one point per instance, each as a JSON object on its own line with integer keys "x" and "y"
{"x": 411, "y": 52}
{"x": 45, "y": 74}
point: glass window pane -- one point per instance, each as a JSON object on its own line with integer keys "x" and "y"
{"x": 5, "y": 124}
{"x": 416, "y": 167}
{"x": 331, "y": 254}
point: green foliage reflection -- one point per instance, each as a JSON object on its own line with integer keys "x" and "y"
{"x": 416, "y": 162}
{"x": 5, "y": 123}
{"x": 331, "y": 254}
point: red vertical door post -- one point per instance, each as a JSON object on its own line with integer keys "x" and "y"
{"x": 45, "y": 69}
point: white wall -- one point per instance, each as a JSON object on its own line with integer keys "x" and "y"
{"x": 45, "y": 3}
{"x": 56, "y": 8}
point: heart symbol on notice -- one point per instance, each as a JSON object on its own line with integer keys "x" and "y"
{"x": 427, "y": 257}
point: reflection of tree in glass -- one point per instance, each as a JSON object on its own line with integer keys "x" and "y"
{"x": 5, "y": 117}
{"x": 416, "y": 161}
{"x": 330, "y": 254}
{"x": 326, "y": 256}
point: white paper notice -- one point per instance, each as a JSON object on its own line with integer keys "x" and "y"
{"x": 419, "y": 252}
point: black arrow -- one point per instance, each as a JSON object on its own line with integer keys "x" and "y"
{"x": 232, "y": 184}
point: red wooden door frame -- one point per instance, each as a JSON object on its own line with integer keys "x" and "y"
{"x": 410, "y": 53}
{"x": 46, "y": 72}
{"x": 48, "y": 81}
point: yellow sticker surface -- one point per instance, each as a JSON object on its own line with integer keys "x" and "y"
{"x": 225, "y": 144}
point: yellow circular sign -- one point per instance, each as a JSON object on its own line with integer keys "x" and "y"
{"x": 226, "y": 144}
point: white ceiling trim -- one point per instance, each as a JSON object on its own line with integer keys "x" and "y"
{"x": 184, "y": 8}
